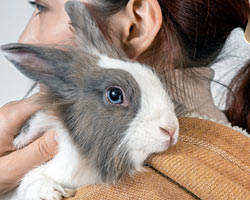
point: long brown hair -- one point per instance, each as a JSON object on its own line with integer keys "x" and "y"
{"x": 201, "y": 26}
{"x": 238, "y": 102}
{"x": 192, "y": 35}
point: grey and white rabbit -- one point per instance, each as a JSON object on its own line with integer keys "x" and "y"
{"x": 109, "y": 113}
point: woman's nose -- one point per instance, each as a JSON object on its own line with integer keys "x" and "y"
{"x": 30, "y": 33}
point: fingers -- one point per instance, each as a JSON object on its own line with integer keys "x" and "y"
{"x": 18, "y": 163}
{"x": 14, "y": 114}
{"x": 12, "y": 117}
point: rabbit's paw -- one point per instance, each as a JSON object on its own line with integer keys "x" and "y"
{"x": 45, "y": 189}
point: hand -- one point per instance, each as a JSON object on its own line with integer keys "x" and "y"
{"x": 14, "y": 164}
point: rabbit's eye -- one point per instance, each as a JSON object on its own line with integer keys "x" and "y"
{"x": 115, "y": 95}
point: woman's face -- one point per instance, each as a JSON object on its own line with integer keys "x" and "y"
{"x": 49, "y": 23}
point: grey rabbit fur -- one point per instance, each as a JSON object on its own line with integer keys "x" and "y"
{"x": 109, "y": 113}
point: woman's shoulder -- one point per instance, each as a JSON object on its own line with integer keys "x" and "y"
{"x": 209, "y": 157}
{"x": 210, "y": 161}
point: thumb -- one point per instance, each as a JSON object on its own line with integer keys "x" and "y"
{"x": 44, "y": 148}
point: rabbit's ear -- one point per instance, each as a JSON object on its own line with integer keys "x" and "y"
{"x": 49, "y": 66}
{"x": 88, "y": 34}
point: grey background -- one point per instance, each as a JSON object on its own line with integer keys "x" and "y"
{"x": 14, "y": 15}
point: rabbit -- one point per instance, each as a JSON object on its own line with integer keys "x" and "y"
{"x": 110, "y": 113}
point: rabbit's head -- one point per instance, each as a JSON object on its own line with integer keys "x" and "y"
{"x": 117, "y": 111}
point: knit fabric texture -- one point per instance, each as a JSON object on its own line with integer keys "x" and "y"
{"x": 210, "y": 161}
{"x": 192, "y": 88}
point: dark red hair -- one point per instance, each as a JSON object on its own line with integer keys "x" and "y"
{"x": 201, "y": 26}
{"x": 238, "y": 102}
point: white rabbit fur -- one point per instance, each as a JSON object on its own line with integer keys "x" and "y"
{"x": 72, "y": 167}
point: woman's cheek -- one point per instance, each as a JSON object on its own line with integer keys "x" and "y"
{"x": 50, "y": 27}
{"x": 56, "y": 31}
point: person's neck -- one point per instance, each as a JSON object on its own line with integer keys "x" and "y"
{"x": 191, "y": 87}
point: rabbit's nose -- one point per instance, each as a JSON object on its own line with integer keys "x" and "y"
{"x": 168, "y": 131}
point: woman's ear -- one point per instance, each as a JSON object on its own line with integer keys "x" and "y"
{"x": 137, "y": 25}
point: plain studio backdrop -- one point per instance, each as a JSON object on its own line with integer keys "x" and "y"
{"x": 14, "y": 15}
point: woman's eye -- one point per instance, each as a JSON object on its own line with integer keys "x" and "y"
{"x": 115, "y": 95}
{"x": 38, "y": 6}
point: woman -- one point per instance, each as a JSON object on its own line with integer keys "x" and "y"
{"x": 178, "y": 38}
